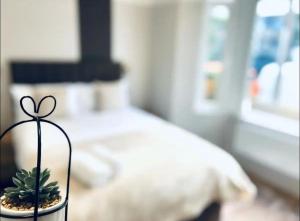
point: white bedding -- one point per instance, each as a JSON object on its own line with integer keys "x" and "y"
{"x": 167, "y": 173}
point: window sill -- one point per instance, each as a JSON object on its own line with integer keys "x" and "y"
{"x": 207, "y": 107}
{"x": 268, "y": 153}
{"x": 280, "y": 169}
{"x": 272, "y": 122}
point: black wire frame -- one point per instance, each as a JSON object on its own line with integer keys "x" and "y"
{"x": 39, "y": 120}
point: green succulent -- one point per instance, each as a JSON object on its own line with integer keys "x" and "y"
{"x": 24, "y": 190}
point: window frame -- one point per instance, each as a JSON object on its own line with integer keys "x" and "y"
{"x": 273, "y": 109}
{"x": 201, "y": 103}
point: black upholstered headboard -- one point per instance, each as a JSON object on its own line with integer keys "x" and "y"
{"x": 57, "y": 72}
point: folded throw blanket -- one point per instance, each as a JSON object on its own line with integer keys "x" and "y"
{"x": 104, "y": 153}
{"x": 94, "y": 166}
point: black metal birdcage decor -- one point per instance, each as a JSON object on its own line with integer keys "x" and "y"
{"x": 39, "y": 119}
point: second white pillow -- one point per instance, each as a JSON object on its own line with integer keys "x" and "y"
{"x": 112, "y": 94}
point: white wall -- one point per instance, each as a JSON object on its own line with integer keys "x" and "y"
{"x": 176, "y": 36}
{"x": 161, "y": 60}
{"x": 45, "y": 29}
{"x": 131, "y": 43}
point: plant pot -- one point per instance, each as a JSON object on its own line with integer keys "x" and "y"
{"x": 54, "y": 213}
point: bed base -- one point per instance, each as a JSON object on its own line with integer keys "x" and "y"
{"x": 212, "y": 213}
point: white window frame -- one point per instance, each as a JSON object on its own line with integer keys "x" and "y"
{"x": 261, "y": 148}
{"x": 271, "y": 118}
{"x": 202, "y": 104}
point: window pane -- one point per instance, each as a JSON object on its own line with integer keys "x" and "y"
{"x": 273, "y": 78}
{"x": 213, "y": 65}
{"x": 288, "y": 92}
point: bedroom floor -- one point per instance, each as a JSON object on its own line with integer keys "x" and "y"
{"x": 268, "y": 206}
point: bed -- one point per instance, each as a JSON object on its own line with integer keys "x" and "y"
{"x": 166, "y": 173}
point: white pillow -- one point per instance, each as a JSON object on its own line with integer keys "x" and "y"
{"x": 72, "y": 98}
{"x": 112, "y": 94}
{"x": 82, "y": 98}
{"x": 61, "y": 92}
{"x": 17, "y": 92}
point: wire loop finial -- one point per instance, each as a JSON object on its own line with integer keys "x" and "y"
{"x": 36, "y": 108}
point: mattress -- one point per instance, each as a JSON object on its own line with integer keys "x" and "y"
{"x": 168, "y": 174}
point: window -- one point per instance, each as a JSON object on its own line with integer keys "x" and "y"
{"x": 213, "y": 47}
{"x": 273, "y": 78}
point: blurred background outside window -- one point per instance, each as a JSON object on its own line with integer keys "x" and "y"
{"x": 217, "y": 21}
{"x": 273, "y": 77}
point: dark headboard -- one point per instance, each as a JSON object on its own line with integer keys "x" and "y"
{"x": 57, "y": 72}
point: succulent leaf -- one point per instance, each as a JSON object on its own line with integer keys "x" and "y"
{"x": 51, "y": 184}
{"x": 20, "y": 176}
{"x": 17, "y": 182}
{"x": 44, "y": 177}
{"x": 24, "y": 189}
{"x": 33, "y": 171}
{"x": 24, "y": 172}
{"x": 11, "y": 189}
{"x": 29, "y": 182}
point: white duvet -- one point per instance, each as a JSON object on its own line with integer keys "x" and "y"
{"x": 167, "y": 174}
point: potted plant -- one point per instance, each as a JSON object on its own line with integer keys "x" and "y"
{"x": 19, "y": 201}
{"x": 32, "y": 198}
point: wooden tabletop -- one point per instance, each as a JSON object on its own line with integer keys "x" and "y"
{"x": 7, "y": 139}
{"x": 7, "y": 161}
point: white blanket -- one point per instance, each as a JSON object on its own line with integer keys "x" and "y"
{"x": 167, "y": 173}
